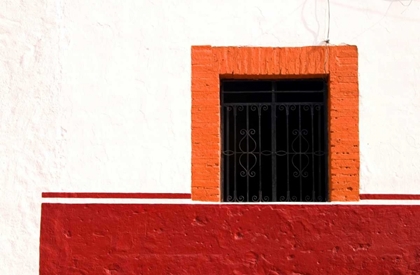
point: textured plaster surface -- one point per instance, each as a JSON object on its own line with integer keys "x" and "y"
{"x": 229, "y": 239}
{"x": 95, "y": 96}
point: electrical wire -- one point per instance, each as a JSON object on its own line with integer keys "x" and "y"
{"x": 327, "y": 41}
{"x": 329, "y": 22}
{"x": 404, "y": 4}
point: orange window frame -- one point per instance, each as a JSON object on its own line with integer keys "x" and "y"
{"x": 338, "y": 63}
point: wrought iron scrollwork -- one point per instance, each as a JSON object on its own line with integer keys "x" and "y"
{"x": 274, "y": 151}
{"x": 246, "y": 153}
{"x": 236, "y": 198}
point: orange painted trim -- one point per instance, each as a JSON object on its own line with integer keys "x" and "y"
{"x": 339, "y": 63}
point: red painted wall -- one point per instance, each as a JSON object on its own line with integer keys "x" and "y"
{"x": 229, "y": 239}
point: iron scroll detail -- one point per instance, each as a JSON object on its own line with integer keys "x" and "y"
{"x": 286, "y": 139}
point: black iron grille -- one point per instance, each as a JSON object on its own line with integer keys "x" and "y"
{"x": 274, "y": 140}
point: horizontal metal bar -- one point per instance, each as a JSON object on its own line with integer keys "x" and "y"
{"x": 320, "y": 154}
{"x": 319, "y": 80}
{"x": 276, "y": 104}
{"x": 269, "y": 92}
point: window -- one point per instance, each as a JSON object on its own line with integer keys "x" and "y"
{"x": 274, "y": 140}
{"x": 337, "y": 100}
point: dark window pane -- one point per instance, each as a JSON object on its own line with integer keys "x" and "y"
{"x": 246, "y": 97}
{"x": 301, "y": 85}
{"x": 299, "y": 97}
{"x": 246, "y": 86}
{"x": 274, "y": 143}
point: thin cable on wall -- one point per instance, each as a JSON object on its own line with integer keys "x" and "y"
{"x": 404, "y": 4}
{"x": 327, "y": 41}
{"x": 329, "y": 20}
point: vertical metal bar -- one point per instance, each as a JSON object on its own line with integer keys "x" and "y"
{"x": 300, "y": 155}
{"x": 319, "y": 149}
{"x": 234, "y": 153}
{"x": 247, "y": 153}
{"x": 287, "y": 152}
{"x": 326, "y": 142}
{"x": 227, "y": 157}
{"x": 313, "y": 153}
{"x": 273, "y": 143}
{"x": 260, "y": 150}
{"x": 223, "y": 142}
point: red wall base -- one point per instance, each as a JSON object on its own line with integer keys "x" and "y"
{"x": 229, "y": 239}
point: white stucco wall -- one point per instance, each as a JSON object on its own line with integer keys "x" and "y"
{"x": 95, "y": 95}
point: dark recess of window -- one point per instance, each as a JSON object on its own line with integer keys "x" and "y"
{"x": 274, "y": 140}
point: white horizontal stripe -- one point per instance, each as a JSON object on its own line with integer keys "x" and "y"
{"x": 188, "y": 201}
